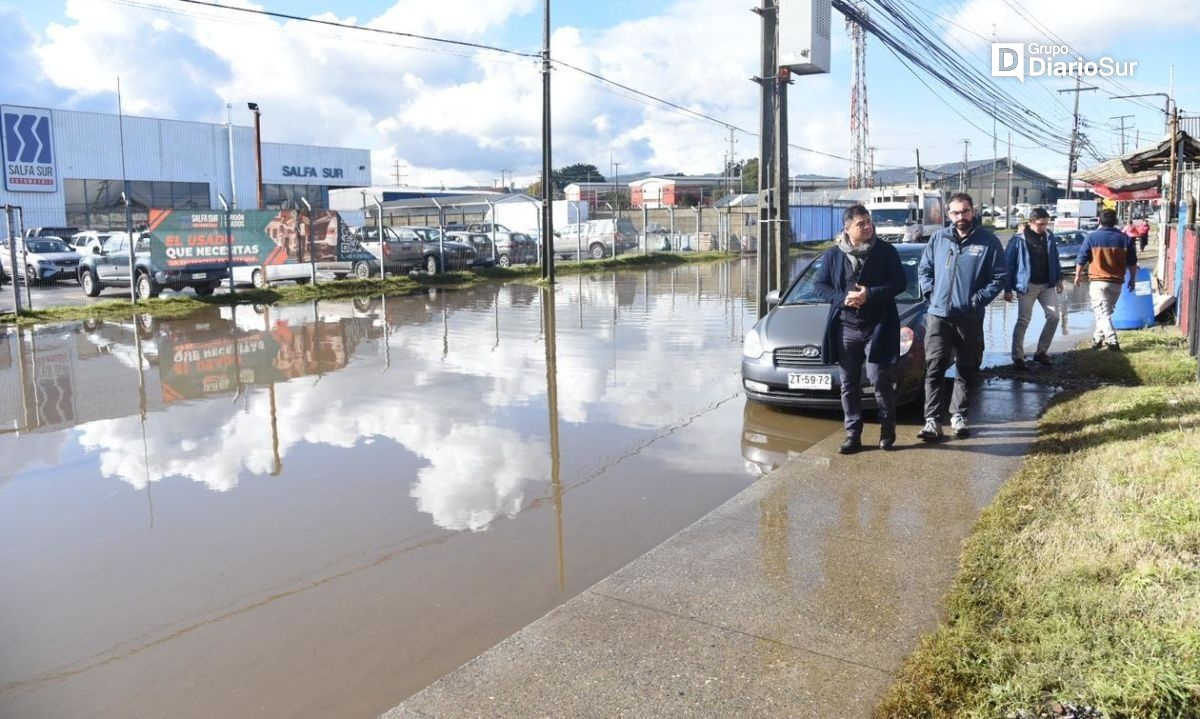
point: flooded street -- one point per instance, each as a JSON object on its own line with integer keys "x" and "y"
{"x": 316, "y": 510}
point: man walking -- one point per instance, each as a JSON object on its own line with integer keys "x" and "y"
{"x": 961, "y": 271}
{"x": 1108, "y": 253}
{"x": 1031, "y": 261}
{"x": 860, "y": 277}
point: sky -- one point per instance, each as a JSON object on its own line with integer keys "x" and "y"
{"x": 452, "y": 115}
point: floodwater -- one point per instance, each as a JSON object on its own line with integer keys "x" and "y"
{"x": 317, "y": 510}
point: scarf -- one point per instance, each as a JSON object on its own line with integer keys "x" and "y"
{"x": 856, "y": 254}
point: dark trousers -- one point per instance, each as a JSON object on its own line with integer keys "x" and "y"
{"x": 856, "y": 346}
{"x": 951, "y": 338}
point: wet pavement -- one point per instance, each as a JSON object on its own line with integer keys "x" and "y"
{"x": 799, "y": 597}
{"x": 320, "y": 509}
{"x": 317, "y": 510}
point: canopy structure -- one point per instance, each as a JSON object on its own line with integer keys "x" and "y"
{"x": 1138, "y": 175}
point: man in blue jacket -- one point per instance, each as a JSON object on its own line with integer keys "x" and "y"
{"x": 860, "y": 277}
{"x": 1031, "y": 259}
{"x": 961, "y": 272}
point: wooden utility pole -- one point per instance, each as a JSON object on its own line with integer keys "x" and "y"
{"x": 920, "y": 178}
{"x": 1074, "y": 133}
{"x": 768, "y": 171}
{"x": 1122, "y": 118}
{"x": 964, "y": 185}
{"x": 1008, "y": 203}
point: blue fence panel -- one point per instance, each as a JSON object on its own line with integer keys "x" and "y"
{"x": 815, "y": 223}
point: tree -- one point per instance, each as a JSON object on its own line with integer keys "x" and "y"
{"x": 579, "y": 172}
{"x": 748, "y": 171}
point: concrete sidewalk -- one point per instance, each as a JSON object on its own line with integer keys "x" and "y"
{"x": 797, "y": 598}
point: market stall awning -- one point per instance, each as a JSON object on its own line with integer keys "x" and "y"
{"x": 1138, "y": 175}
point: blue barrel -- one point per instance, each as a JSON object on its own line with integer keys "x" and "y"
{"x": 1135, "y": 309}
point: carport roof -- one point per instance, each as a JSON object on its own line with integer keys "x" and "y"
{"x": 455, "y": 202}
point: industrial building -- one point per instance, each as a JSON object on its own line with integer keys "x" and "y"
{"x": 68, "y": 168}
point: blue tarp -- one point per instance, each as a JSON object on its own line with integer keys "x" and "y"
{"x": 815, "y": 223}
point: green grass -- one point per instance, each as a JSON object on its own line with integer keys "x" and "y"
{"x": 173, "y": 305}
{"x": 1081, "y": 581}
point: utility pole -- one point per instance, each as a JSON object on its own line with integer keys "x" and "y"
{"x": 1122, "y": 119}
{"x": 1074, "y": 132}
{"x": 616, "y": 185}
{"x": 963, "y": 185}
{"x": 1008, "y": 202}
{"x": 920, "y": 178}
{"x": 768, "y": 202}
{"x": 994, "y": 141}
{"x": 547, "y": 228}
{"x": 871, "y": 165}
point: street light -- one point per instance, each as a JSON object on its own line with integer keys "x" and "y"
{"x": 1166, "y": 103}
{"x": 257, "y": 148}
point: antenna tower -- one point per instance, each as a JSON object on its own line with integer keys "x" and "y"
{"x": 861, "y": 175}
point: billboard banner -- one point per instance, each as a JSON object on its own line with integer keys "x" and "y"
{"x": 187, "y": 238}
{"x": 28, "y": 139}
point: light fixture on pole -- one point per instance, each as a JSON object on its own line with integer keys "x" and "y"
{"x": 257, "y": 148}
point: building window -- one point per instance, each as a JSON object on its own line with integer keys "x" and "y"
{"x": 97, "y": 203}
{"x": 287, "y": 197}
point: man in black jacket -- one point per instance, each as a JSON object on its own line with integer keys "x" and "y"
{"x": 860, "y": 278}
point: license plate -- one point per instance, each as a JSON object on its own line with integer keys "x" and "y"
{"x": 810, "y": 380}
{"x": 199, "y": 275}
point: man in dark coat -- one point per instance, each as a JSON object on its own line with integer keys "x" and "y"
{"x": 860, "y": 278}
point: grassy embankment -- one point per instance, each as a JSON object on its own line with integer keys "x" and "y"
{"x": 1081, "y": 582}
{"x": 175, "y": 305}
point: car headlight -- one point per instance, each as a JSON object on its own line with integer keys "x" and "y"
{"x": 906, "y": 340}
{"x": 752, "y": 348}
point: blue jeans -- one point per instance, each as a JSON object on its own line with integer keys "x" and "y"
{"x": 856, "y": 346}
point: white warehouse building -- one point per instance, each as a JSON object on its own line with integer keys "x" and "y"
{"x": 66, "y": 168}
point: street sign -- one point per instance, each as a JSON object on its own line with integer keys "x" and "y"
{"x": 29, "y": 162}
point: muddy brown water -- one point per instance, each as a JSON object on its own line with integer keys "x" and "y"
{"x": 317, "y": 510}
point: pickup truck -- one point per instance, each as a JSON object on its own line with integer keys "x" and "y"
{"x": 108, "y": 266}
{"x": 511, "y": 248}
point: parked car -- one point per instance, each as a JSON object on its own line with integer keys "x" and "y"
{"x": 109, "y": 266}
{"x": 84, "y": 241}
{"x": 781, "y": 357}
{"x": 262, "y": 276}
{"x": 596, "y": 238}
{"x": 42, "y": 259}
{"x": 440, "y": 252}
{"x": 1088, "y": 223}
{"x": 59, "y": 232}
{"x": 353, "y": 257}
{"x": 511, "y": 248}
{"x": 1068, "y": 249}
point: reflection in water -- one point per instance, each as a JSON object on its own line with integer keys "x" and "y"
{"x": 223, "y": 506}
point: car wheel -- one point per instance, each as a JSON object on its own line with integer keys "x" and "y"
{"x": 90, "y": 283}
{"x": 431, "y": 264}
{"x": 259, "y": 279}
{"x": 302, "y": 280}
{"x": 504, "y": 261}
{"x": 145, "y": 287}
{"x": 597, "y": 251}
{"x": 31, "y": 276}
{"x": 362, "y": 270}
{"x": 205, "y": 290}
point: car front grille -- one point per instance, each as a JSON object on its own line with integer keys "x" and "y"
{"x": 795, "y": 357}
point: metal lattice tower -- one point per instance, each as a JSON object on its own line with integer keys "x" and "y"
{"x": 861, "y": 175}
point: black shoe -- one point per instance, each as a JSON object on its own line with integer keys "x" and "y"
{"x": 1043, "y": 359}
{"x": 1020, "y": 364}
{"x": 1097, "y": 344}
{"x": 851, "y": 445}
{"x": 1113, "y": 347}
{"x": 887, "y": 438}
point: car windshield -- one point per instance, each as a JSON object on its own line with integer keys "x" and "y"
{"x": 429, "y": 234}
{"x": 897, "y": 216}
{"x": 47, "y": 246}
{"x": 803, "y": 292}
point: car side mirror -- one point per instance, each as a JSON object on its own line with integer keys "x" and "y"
{"x": 772, "y": 298}
{"x": 96, "y": 250}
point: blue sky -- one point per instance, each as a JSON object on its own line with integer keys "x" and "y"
{"x": 452, "y": 116}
